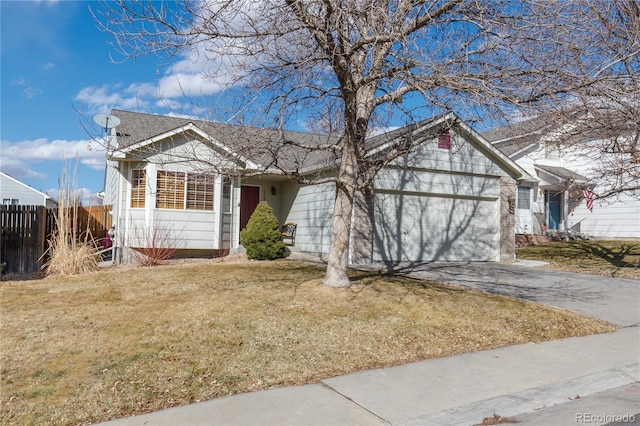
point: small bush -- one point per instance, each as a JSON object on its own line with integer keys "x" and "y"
{"x": 158, "y": 245}
{"x": 261, "y": 237}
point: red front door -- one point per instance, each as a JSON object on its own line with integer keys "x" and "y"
{"x": 249, "y": 199}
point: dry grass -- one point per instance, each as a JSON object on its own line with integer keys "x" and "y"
{"x": 70, "y": 250}
{"x": 619, "y": 258}
{"x": 114, "y": 343}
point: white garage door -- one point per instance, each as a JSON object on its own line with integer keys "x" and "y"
{"x": 429, "y": 228}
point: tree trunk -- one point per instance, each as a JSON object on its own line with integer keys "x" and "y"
{"x": 339, "y": 251}
{"x": 343, "y": 212}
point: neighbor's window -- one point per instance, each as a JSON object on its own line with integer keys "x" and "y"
{"x": 10, "y": 201}
{"x": 170, "y": 190}
{"x": 200, "y": 192}
{"x": 524, "y": 198}
{"x": 138, "y": 186}
{"x": 226, "y": 195}
{"x": 444, "y": 140}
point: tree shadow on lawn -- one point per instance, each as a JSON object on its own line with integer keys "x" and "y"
{"x": 614, "y": 257}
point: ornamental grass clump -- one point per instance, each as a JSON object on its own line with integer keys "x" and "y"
{"x": 261, "y": 238}
{"x": 70, "y": 250}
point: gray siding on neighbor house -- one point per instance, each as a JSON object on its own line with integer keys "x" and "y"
{"x": 12, "y": 189}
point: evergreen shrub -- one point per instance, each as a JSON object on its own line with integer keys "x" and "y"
{"x": 261, "y": 238}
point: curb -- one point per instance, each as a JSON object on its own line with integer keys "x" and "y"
{"x": 531, "y": 400}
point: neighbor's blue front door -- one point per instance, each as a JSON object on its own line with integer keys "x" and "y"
{"x": 554, "y": 203}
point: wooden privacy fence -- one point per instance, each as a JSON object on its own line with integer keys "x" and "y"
{"x": 26, "y": 230}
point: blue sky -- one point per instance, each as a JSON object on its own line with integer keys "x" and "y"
{"x": 57, "y": 72}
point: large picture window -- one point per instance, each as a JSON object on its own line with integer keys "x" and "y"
{"x": 179, "y": 191}
{"x": 138, "y": 188}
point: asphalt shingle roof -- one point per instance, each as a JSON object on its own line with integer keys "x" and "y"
{"x": 263, "y": 146}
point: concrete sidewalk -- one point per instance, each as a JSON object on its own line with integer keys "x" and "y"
{"x": 541, "y": 384}
{"x": 457, "y": 390}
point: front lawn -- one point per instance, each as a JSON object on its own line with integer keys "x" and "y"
{"x": 126, "y": 341}
{"x": 619, "y": 258}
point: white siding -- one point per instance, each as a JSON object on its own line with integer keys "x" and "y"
{"x": 615, "y": 219}
{"x": 111, "y": 183}
{"x": 13, "y": 189}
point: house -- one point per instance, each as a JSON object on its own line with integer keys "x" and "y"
{"x": 13, "y": 192}
{"x": 177, "y": 180}
{"x": 553, "y": 199}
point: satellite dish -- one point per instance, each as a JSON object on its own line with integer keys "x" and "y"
{"x": 106, "y": 121}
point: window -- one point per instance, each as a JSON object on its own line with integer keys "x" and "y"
{"x": 138, "y": 188}
{"x": 170, "y": 190}
{"x": 226, "y": 195}
{"x": 524, "y": 198}
{"x": 200, "y": 192}
{"x": 179, "y": 191}
{"x": 10, "y": 201}
{"x": 444, "y": 140}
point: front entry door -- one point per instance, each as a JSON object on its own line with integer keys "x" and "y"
{"x": 554, "y": 203}
{"x": 249, "y": 199}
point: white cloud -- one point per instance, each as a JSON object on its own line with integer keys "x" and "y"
{"x": 104, "y": 98}
{"x": 49, "y": 65}
{"x": 19, "y": 168}
{"x": 32, "y": 92}
{"x": 37, "y": 150}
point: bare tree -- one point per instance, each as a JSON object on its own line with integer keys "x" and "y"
{"x": 599, "y": 123}
{"x": 351, "y": 65}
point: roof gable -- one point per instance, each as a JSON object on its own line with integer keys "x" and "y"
{"x": 25, "y": 186}
{"x": 138, "y": 130}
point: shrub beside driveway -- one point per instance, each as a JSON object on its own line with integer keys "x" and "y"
{"x": 125, "y": 341}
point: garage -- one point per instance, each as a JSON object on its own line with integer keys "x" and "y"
{"x": 422, "y": 228}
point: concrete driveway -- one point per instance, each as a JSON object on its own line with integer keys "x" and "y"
{"x": 610, "y": 299}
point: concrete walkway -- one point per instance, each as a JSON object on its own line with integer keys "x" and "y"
{"x": 582, "y": 379}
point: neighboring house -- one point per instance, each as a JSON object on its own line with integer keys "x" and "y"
{"x": 13, "y": 192}
{"x": 553, "y": 199}
{"x": 452, "y": 199}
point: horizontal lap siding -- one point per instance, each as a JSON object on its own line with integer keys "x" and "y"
{"x": 312, "y": 210}
{"x": 619, "y": 219}
{"x": 463, "y": 157}
{"x": 430, "y": 182}
{"x": 191, "y": 229}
